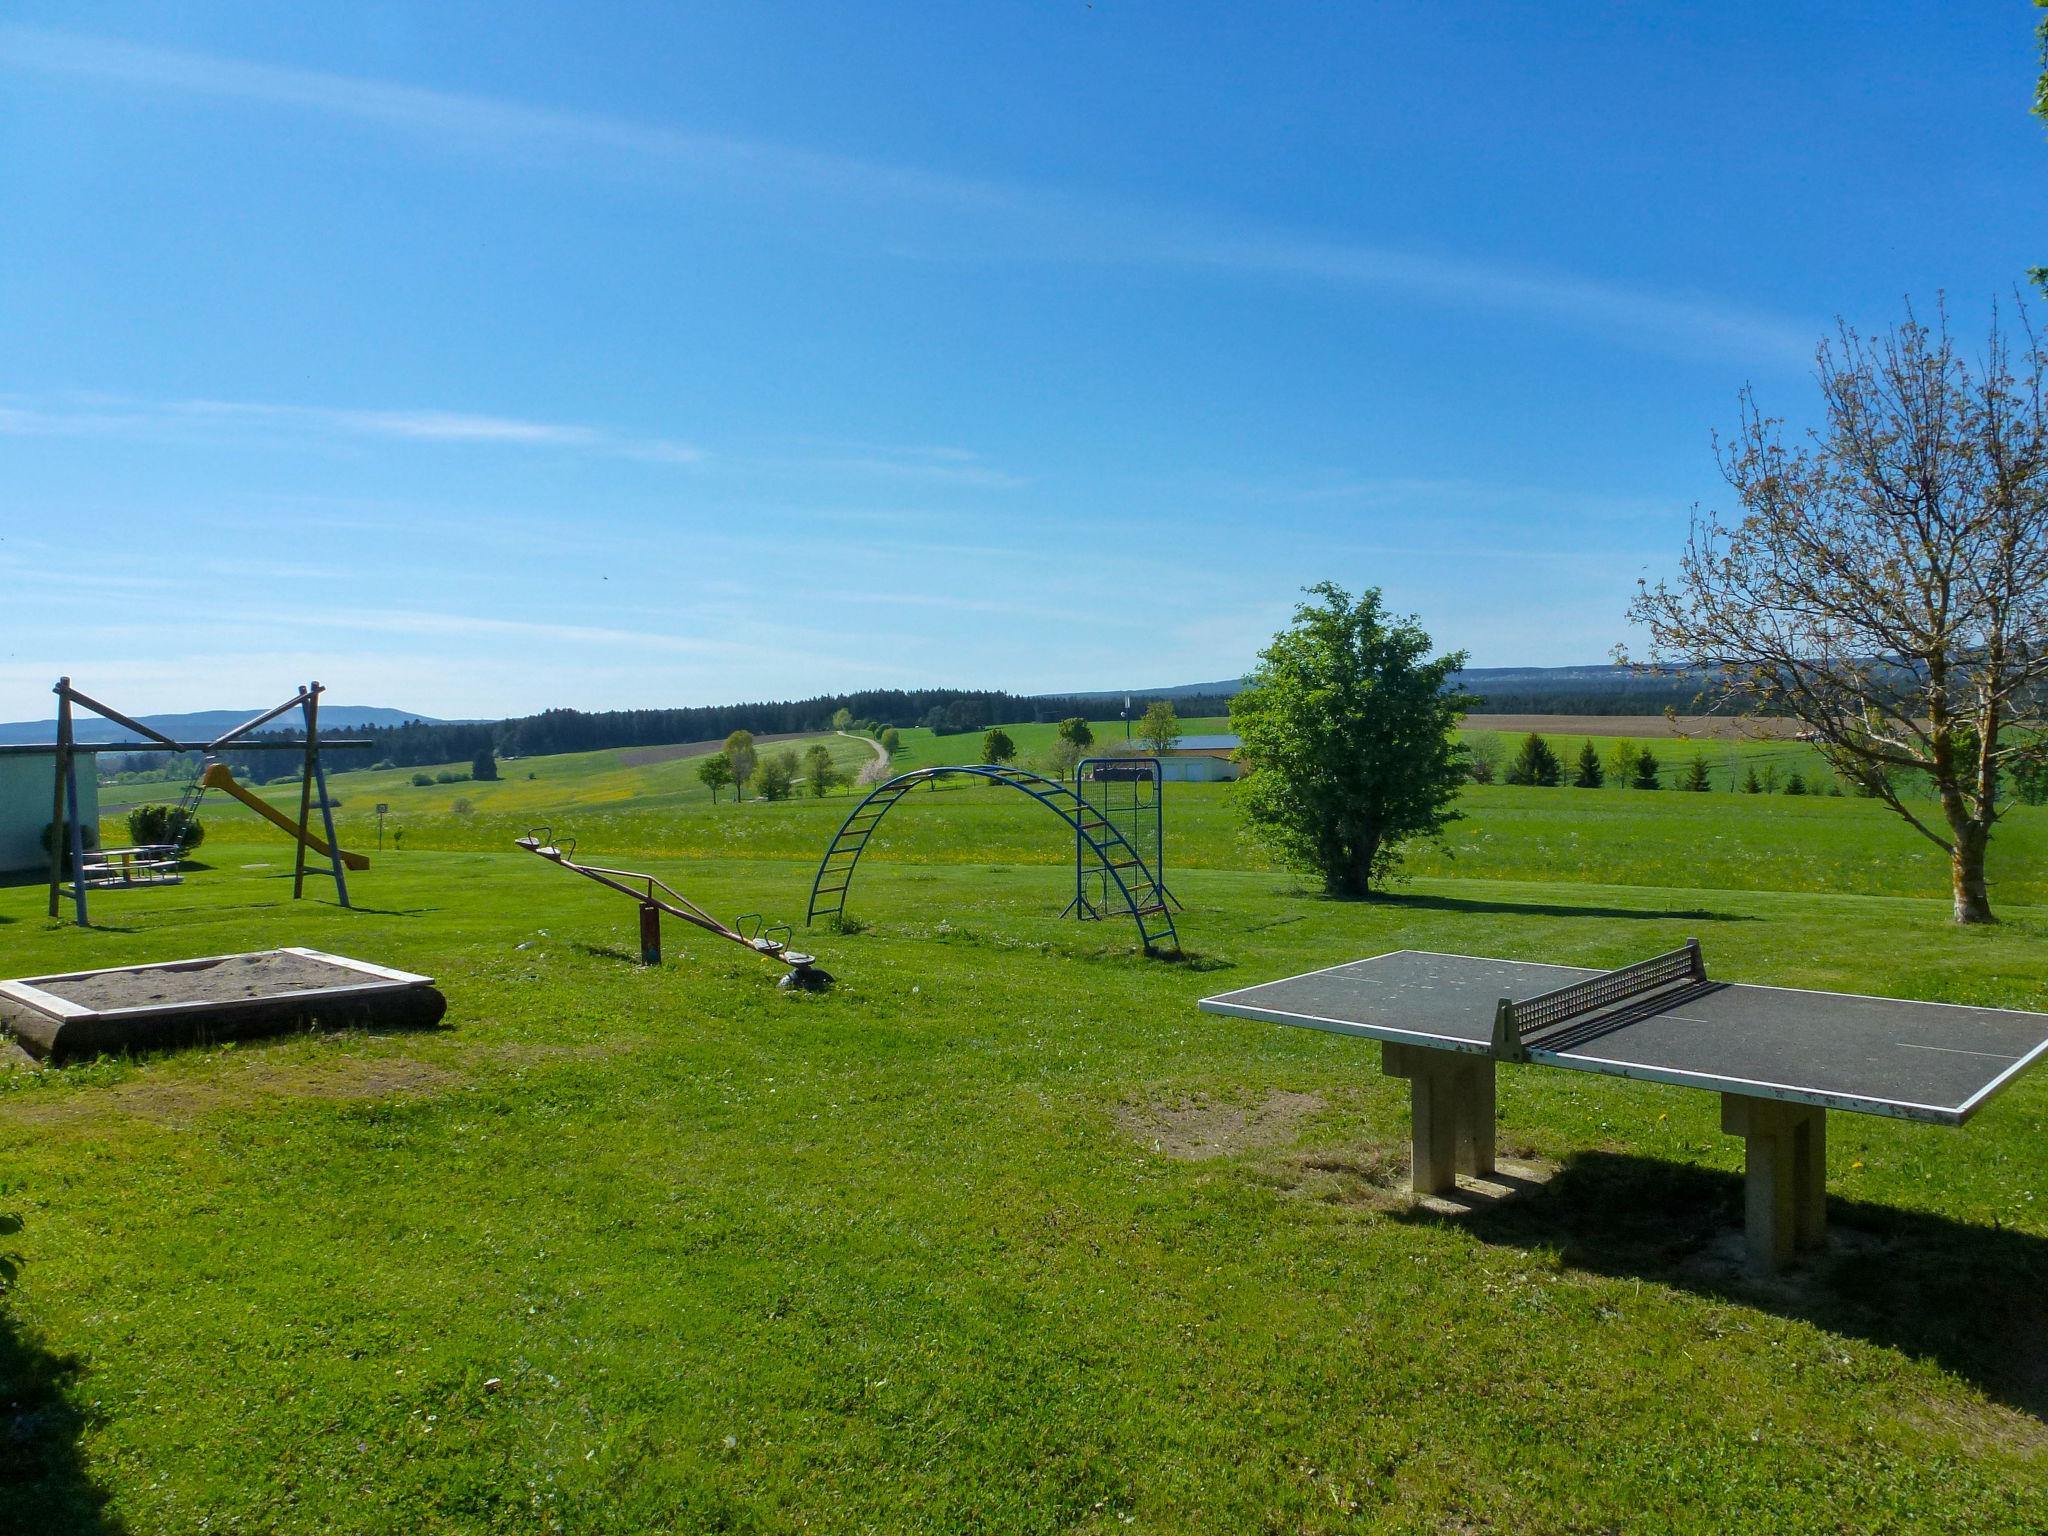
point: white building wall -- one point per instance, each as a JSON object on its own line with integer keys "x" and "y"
{"x": 25, "y": 806}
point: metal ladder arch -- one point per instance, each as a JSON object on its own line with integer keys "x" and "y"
{"x": 835, "y": 870}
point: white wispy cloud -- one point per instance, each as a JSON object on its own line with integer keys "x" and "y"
{"x": 100, "y": 416}
{"x": 1009, "y": 220}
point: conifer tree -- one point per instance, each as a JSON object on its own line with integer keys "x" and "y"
{"x": 1588, "y": 774}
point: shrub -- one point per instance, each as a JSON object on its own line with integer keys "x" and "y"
{"x": 891, "y": 742}
{"x": 382, "y": 764}
{"x": 88, "y": 836}
{"x": 450, "y": 776}
{"x": 462, "y": 807}
{"x": 1697, "y": 778}
{"x": 1751, "y": 784}
{"x": 1796, "y": 785}
{"x": 1646, "y": 772}
{"x": 1482, "y": 759}
{"x": 165, "y": 826}
{"x": 423, "y": 780}
{"x": 2030, "y": 773}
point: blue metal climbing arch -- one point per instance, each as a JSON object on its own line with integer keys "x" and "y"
{"x": 1128, "y": 883}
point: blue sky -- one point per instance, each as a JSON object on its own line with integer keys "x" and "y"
{"x": 479, "y": 359}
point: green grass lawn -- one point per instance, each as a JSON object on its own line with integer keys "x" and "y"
{"x": 999, "y": 1234}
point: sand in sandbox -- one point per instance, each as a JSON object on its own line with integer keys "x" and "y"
{"x": 236, "y": 978}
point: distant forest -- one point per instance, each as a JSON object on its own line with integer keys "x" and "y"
{"x": 947, "y": 711}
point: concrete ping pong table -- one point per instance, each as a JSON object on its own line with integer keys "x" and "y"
{"x": 1780, "y": 1058}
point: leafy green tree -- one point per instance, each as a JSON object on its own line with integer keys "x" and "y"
{"x": 777, "y": 775}
{"x": 1646, "y": 772}
{"x": 818, "y": 770}
{"x": 1160, "y": 728}
{"x": 1587, "y": 774}
{"x": 892, "y": 743}
{"x": 842, "y": 719}
{"x": 1077, "y": 730}
{"x": 1698, "y": 777}
{"x": 484, "y": 766}
{"x": 996, "y": 746}
{"x": 1621, "y": 760}
{"x": 1347, "y": 728}
{"x": 1535, "y": 764}
{"x": 743, "y": 759}
{"x": 716, "y": 772}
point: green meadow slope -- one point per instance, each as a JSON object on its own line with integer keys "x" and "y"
{"x": 1000, "y": 1233}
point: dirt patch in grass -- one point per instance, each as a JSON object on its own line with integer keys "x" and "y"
{"x": 183, "y": 1101}
{"x": 1974, "y": 1422}
{"x": 1195, "y": 1130}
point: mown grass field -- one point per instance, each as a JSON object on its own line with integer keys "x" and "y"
{"x": 999, "y": 1234}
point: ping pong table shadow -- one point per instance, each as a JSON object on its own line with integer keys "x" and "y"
{"x": 1918, "y": 1283}
{"x": 1421, "y": 902}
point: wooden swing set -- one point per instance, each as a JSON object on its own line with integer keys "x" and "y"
{"x": 160, "y": 863}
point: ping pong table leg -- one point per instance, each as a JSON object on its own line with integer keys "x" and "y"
{"x": 1451, "y": 1105}
{"x": 1785, "y": 1176}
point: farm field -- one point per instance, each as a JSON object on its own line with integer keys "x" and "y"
{"x": 1000, "y": 1233}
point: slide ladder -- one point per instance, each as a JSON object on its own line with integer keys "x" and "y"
{"x": 1131, "y": 884}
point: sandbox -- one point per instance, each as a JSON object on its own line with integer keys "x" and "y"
{"x": 177, "y": 1002}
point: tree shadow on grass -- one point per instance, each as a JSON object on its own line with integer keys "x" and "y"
{"x": 43, "y": 1482}
{"x": 1973, "y": 1299}
{"x": 1421, "y": 903}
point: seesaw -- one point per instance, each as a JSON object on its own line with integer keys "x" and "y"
{"x": 768, "y": 940}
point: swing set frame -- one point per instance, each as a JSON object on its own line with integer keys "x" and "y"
{"x": 65, "y": 808}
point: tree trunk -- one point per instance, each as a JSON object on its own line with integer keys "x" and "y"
{"x": 1966, "y": 873}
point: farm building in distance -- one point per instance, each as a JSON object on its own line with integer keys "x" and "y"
{"x": 1201, "y": 760}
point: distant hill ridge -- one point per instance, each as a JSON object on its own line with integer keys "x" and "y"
{"x": 205, "y": 724}
{"x": 1600, "y": 689}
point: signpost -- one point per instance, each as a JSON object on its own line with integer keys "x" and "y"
{"x": 381, "y": 809}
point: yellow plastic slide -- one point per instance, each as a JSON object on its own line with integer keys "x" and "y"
{"x": 218, "y": 777}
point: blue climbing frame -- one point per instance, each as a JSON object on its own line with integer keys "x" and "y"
{"x": 1129, "y": 884}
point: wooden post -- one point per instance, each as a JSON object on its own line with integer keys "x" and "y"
{"x": 326, "y": 805}
{"x": 1451, "y": 1105}
{"x": 1784, "y": 1176}
{"x": 650, "y": 934}
{"x": 312, "y": 709}
{"x": 63, "y": 692}
{"x": 77, "y": 838}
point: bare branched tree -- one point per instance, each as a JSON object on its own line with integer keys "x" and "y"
{"x": 1887, "y": 582}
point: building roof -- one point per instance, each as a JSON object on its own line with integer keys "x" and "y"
{"x": 1207, "y": 744}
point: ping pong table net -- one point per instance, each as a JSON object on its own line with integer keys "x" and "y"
{"x": 1604, "y": 998}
